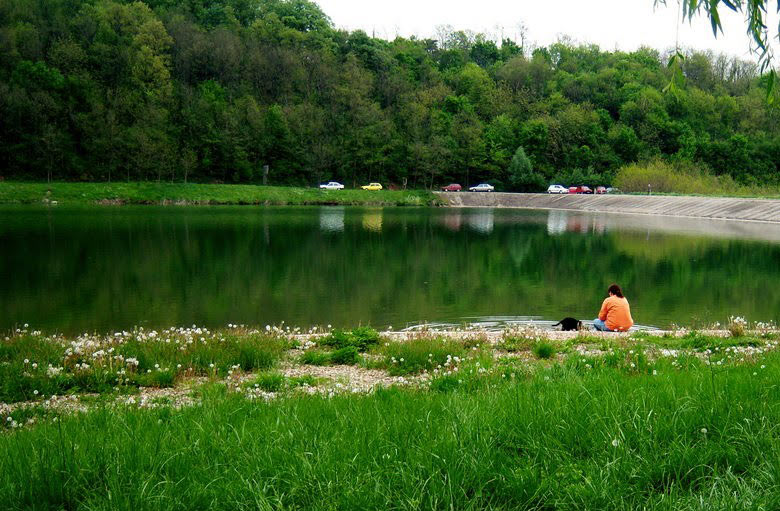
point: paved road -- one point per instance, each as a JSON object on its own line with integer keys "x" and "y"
{"x": 760, "y": 210}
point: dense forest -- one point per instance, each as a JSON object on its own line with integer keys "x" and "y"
{"x": 213, "y": 90}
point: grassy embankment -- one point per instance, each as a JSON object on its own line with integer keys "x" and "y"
{"x": 521, "y": 422}
{"x": 217, "y": 194}
{"x": 682, "y": 179}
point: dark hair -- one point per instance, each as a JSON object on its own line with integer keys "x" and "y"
{"x": 615, "y": 290}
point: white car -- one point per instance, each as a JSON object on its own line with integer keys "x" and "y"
{"x": 482, "y": 187}
{"x": 333, "y": 185}
{"x": 557, "y": 189}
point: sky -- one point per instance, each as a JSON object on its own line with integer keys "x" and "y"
{"x": 611, "y": 24}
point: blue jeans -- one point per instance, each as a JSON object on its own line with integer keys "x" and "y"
{"x": 601, "y": 326}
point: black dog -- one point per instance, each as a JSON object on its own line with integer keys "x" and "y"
{"x": 569, "y": 324}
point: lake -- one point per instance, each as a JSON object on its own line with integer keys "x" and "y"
{"x": 109, "y": 268}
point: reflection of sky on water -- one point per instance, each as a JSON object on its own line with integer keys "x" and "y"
{"x": 332, "y": 219}
{"x": 372, "y": 220}
{"x": 481, "y": 221}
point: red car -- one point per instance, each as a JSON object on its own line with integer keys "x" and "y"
{"x": 601, "y": 190}
{"x": 580, "y": 189}
{"x": 454, "y": 187}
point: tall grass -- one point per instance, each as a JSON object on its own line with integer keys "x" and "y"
{"x": 569, "y": 437}
{"x": 665, "y": 177}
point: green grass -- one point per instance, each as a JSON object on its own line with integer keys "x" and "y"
{"x": 361, "y": 338}
{"x": 166, "y": 193}
{"x": 34, "y": 366}
{"x": 422, "y": 354}
{"x": 277, "y": 382}
{"x": 570, "y": 436}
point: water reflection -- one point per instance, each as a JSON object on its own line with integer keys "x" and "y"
{"x": 481, "y": 220}
{"x": 452, "y": 220}
{"x": 372, "y": 220}
{"x": 332, "y": 219}
{"x": 85, "y": 269}
{"x": 556, "y": 222}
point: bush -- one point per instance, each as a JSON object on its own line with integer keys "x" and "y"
{"x": 361, "y": 338}
{"x": 269, "y": 382}
{"x": 737, "y": 326}
{"x": 345, "y": 356}
{"x": 681, "y": 177}
{"x": 315, "y": 358}
{"x": 544, "y": 350}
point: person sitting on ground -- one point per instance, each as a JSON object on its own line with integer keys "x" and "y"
{"x": 615, "y": 314}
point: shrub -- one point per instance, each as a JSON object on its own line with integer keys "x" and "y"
{"x": 345, "y": 356}
{"x": 737, "y": 326}
{"x": 544, "y": 350}
{"x": 361, "y": 338}
{"x": 269, "y": 382}
{"x": 315, "y": 358}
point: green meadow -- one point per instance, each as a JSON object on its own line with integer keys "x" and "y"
{"x": 462, "y": 420}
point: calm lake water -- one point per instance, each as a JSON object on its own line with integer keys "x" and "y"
{"x": 105, "y": 268}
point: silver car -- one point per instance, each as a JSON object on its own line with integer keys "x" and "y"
{"x": 333, "y": 185}
{"x": 482, "y": 187}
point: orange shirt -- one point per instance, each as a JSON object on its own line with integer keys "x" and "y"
{"x": 616, "y": 313}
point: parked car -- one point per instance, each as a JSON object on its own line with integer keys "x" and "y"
{"x": 613, "y": 190}
{"x": 482, "y": 187}
{"x": 333, "y": 185}
{"x": 557, "y": 189}
{"x": 580, "y": 189}
{"x": 372, "y": 186}
{"x": 454, "y": 187}
{"x": 601, "y": 190}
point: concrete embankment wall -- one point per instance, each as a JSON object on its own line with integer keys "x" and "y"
{"x": 758, "y": 210}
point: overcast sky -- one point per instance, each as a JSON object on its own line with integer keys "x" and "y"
{"x": 622, "y": 24}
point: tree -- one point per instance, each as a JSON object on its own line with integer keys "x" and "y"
{"x": 522, "y": 177}
{"x": 755, "y": 12}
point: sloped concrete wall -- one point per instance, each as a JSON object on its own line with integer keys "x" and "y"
{"x": 760, "y": 210}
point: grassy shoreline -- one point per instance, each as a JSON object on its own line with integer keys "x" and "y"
{"x": 279, "y": 419}
{"x": 143, "y": 193}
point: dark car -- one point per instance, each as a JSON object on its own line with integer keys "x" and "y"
{"x": 454, "y": 187}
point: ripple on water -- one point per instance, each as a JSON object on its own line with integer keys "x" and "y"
{"x": 499, "y": 323}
